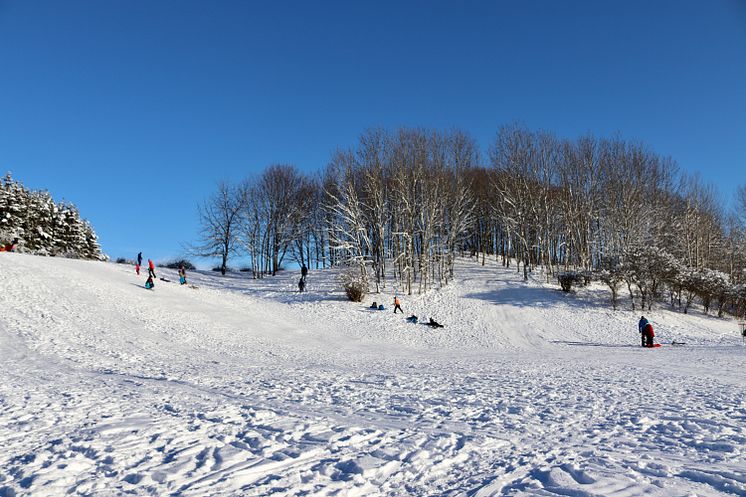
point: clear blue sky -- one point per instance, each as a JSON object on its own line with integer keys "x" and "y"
{"x": 134, "y": 110}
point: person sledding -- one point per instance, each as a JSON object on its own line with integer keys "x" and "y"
{"x": 648, "y": 334}
{"x": 412, "y": 319}
{"x": 182, "y": 275}
{"x": 434, "y": 324}
{"x": 149, "y": 284}
{"x": 641, "y": 328}
{"x": 397, "y": 305}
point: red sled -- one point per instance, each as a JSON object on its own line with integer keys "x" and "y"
{"x": 654, "y": 346}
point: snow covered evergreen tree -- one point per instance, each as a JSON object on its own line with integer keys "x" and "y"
{"x": 43, "y": 226}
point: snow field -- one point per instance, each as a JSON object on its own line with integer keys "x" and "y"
{"x": 245, "y": 387}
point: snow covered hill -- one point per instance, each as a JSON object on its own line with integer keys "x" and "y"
{"x": 245, "y": 387}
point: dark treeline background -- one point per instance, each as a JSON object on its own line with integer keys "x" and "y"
{"x": 401, "y": 205}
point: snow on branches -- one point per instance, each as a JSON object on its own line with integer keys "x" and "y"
{"x": 43, "y": 226}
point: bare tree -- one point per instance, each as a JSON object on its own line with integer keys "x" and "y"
{"x": 219, "y": 219}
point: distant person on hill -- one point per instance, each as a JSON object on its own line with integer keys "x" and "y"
{"x": 137, "y": 269}
{"x": 648, "y": 333}
{"x": 301, "y": 284}
{"x": 151, "y": 268}
{"x": 139, "y": 258}
{"x": 397, "y": 305}
{"x": 149, "y": 283}
{"x": 303, "y": 271}
{"x": 182, "y": 275}
{"x": 641, "y": 328}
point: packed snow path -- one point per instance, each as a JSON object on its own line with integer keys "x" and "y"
{"x": 244, "y": 387}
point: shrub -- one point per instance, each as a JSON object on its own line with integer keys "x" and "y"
{"x": 124, "y": 260}
{"x": 569, "y": 278}
{"x": 180, "y": 262}
{"x": 355, "y": 284}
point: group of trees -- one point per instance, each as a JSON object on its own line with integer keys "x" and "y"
{"x": 43, "y": 226}
{"x": 401, "y": 205}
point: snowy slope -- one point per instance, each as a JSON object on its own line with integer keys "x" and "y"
{"x": 245, "y": 387}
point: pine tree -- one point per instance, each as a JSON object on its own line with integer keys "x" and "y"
{"x": 42, "y": 226}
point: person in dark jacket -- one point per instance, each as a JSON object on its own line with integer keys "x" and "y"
{"x": 641, "y": 328}
{"x": 303, "y": 271}
{"x": 301, "y": 285}
{"x": 648, "y": 333}
{"x": 139, "y": 258}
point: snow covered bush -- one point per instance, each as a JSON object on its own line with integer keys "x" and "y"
{"x": 355, "y": 284}
{"x": 568, "y": 279}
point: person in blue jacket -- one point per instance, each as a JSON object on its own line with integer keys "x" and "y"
{"x": 641, "y": 327}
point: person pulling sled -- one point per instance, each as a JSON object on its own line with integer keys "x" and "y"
{"x": 648, "y": 335}
{"x": 641, "y": 328}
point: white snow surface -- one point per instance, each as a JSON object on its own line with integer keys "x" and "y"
{"x": 244, "y": 387}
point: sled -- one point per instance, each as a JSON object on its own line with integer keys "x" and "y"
{"x": 655, "y": 345}
{"x": 164, "y": 279}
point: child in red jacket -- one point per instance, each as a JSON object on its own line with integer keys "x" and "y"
{"x": 649, "y": 334}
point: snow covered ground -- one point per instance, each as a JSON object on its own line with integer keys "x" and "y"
{"x": 244, "y": 387}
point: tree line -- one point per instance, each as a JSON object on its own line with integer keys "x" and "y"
{"x": 43, "y": 226}
{"x": 401, "y": 205}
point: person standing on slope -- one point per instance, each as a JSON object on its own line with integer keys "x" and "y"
{"x": 648, "y": 334}
{"x": 182, "y": 275}
{"x": 151, "y": 268}
{"x": 139, "y": 258}
{"x": 397, "y": 305}
{"x": 641, "y": 328}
